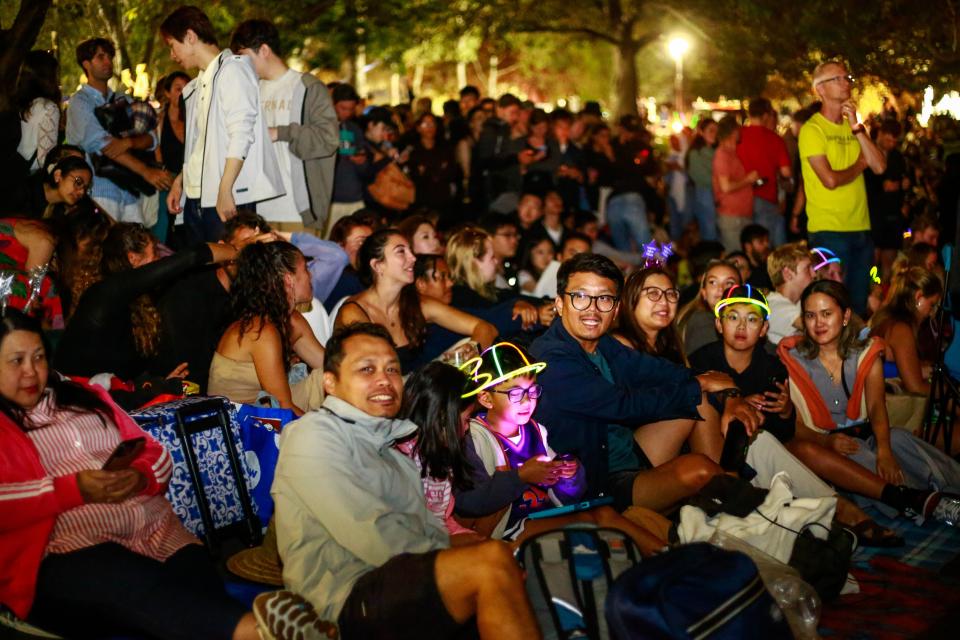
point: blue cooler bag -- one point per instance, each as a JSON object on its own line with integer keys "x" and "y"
{"x": 260, "y": 438}
{"x": 694, "y": 591}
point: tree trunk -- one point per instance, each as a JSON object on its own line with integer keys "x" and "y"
{"x": 15, "y": 42}
{"x": 625, "y": 70}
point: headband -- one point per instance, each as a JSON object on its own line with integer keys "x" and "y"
{"x": 825, "y": 255}
{"x": 753, "y": 296}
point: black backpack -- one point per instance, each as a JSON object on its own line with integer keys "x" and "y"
{"x": 694, "y": 591}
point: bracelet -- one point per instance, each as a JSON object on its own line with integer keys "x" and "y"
{"x": 857, "y": 130}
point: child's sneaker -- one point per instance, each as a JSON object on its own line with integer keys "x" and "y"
{"x": 283, "y": 615}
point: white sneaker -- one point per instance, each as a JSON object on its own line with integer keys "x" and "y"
{"x": 283, "y": 615}
{"x": 947, "y": 509}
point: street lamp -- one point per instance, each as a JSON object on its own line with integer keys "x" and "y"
{"x": 678, "y": 47}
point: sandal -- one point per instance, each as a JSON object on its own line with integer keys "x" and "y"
{"x": 283, "y": 615}
{"x": 871, "y": 534}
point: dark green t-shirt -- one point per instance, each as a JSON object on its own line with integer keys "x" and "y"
{"x": 620, "y": 454}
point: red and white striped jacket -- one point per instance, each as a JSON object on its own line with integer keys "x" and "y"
{"x": 31, "y": 499}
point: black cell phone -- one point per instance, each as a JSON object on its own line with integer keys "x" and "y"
{"x": 734, "y": 447}
{"x": 125, "y": 453}
{"x": 565, "y": 457}
{"x": 774, "y": 381}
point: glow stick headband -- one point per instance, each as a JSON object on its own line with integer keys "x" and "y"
{"x": 732, "y": 298}
{"x": 501, "y": 355}
{"x": 826, "y": 257}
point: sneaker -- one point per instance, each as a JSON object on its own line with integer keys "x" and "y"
{"x": 947, "y": 509}
{"x": 283, "y": 615}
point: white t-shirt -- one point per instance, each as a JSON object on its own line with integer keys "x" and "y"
{"x": 275, "y": 98}
{"x": 193, "y": 166}
{"x": 783, "y": 313}
{"x": 38, "y": 133}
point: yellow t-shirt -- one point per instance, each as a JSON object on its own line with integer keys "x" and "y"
{"x": 844, "y": 208}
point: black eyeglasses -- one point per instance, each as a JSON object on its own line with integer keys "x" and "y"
{"x": 582, "y": 301}
{"x": 654, "y": 294}
{"x": 79, "y": 183}
{"x": 517, "y": 394}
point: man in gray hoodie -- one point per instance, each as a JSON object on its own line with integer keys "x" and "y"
{"x": 353, "y": 530}
{"x": 302, "y": 125}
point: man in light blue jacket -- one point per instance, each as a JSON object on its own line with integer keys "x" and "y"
{"x": 353, "y": 530}
{"x": 228, "y": 157}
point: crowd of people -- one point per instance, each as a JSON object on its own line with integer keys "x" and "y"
{"x": 474, "y": 317}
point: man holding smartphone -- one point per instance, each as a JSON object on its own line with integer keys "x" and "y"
{"x": 835, "y": 149}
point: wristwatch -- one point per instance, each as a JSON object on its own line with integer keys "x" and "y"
{"x": 859, "y": 129}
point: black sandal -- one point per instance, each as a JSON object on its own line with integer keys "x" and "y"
{"x": 871, "y": 534}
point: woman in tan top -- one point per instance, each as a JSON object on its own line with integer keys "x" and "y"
{"x": 256, "y": 351}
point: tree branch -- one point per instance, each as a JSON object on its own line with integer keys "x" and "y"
{"x": 584, "y": 31}
{"x": 16, "y": 41}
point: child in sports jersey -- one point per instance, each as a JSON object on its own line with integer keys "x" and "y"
{"x": 515, "y": 472}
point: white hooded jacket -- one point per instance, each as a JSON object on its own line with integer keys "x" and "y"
{"x": 235, "y": 129}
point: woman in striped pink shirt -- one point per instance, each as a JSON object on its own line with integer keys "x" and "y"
{"x": 86, "y": 552}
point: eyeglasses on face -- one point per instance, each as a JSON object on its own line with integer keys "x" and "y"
{"x": 582, "y": 301}
{"x": 734, "y": 318}
{"x": 80, "y": 183}
{"x": 655, "y": 294}
{"x": 517, "y": 394}
{"x": 849, "y": 78}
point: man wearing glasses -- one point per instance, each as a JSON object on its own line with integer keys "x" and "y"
{"x": 835, "y": 149}
{"x": 623, "y": 413}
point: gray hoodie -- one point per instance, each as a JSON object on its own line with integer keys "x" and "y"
{"x": 347, "y": 501}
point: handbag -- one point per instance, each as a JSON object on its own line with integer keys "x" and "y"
{"x": 392, "y": 188}
{"x": 823, "y": 563}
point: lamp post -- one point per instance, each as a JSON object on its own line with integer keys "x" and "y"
{"x": 678, "y": 47}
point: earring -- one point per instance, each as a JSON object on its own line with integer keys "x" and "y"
{"x": 844, "y": 323}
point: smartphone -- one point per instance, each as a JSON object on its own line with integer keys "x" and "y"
{"x": 125, "y": 453}
{"x": 734, "y": 447}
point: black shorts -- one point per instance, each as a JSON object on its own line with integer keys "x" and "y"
{"x": 400, "y": 600}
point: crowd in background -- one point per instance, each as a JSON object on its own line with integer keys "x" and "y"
{"x": 265, "y": 237}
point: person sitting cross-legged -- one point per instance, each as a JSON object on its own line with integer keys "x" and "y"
{"x": 623, "y": 413}
{"x": 515, "y": 473}
{"x": 354, "y": 532}
{"x": 762, "y": 378}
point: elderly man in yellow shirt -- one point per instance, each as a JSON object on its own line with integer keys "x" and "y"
{"x": 835, "y": 149}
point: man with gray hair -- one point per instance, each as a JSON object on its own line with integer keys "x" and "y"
{"x": 835, "y": 149}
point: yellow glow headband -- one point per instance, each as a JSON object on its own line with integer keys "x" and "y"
{"x": 484, "y": 380}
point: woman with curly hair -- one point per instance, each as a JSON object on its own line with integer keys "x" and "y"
{"x": 115, "y": 328}
{"x": 385, "y": 265}
{"x": 256, "y": 352}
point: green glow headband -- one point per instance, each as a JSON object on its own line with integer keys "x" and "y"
{"x": 759, "y": 301}
{"x": 496, "y": 355}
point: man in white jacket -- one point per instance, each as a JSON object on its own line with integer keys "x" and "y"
{"x": 353, "y": 529}
{"x": 228, "y": 157}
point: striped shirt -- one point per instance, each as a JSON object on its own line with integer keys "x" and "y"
{"x": 70, "y": 441}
